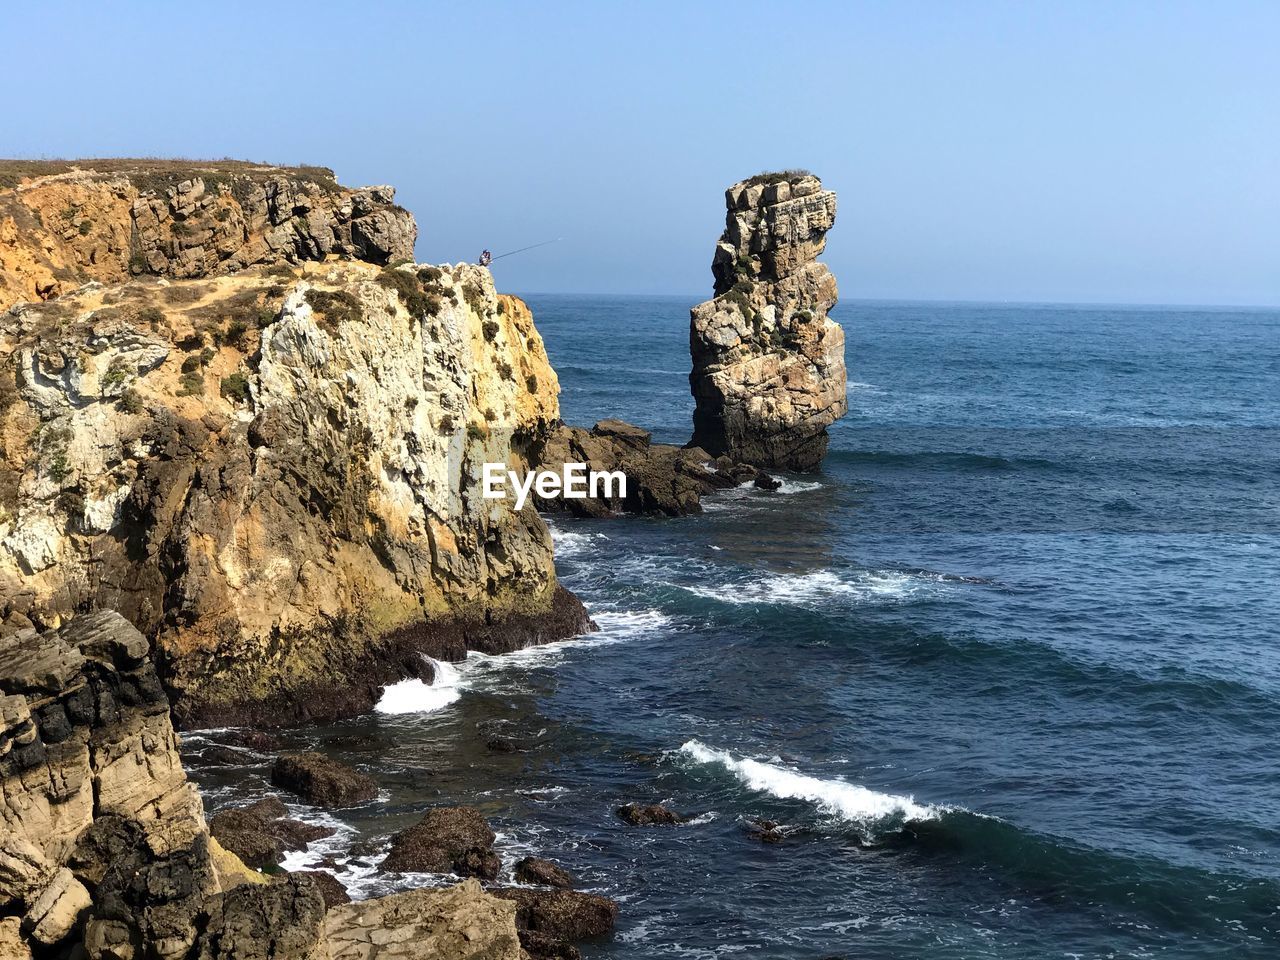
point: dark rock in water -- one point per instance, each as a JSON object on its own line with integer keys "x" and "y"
{"x": 539, "y": 946}
{"x": 257, "y": 740}
{"x": 223, "y": 756}
{"x": 661, "y": 479}
{"x": 330, "y": 888}
{"x": 322, "y": 780}
{"x": 544, "y": 872}
{"x": 765, "y": 482}
{"x": 248, "y": 838}
{"x": 260, "y": 833}
{"x": 446, "y": 840}
{"x": 501, "y": 745}
{"x": 275, "y": 921}
{"x": 647, "y": 815}
{"x": 558, "y": 915}
{"x": 766, "y": 831}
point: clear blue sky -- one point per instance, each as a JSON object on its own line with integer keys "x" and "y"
{"x": 1074, "y": 150}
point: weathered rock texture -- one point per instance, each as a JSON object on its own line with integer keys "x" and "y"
{"x": 276, "y": 476}
{"x": 104, "y": 850}
{"x": 62, "y": 224}
{"x": 460, "y": 923}
{"x": 661, "y": 479}
{"x": 90, "y": 779}
{"x": 768, "y": 364}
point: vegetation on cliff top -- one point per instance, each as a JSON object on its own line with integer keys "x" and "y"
{"x": 155, "y": 172}
{"x": 777, "y": 176}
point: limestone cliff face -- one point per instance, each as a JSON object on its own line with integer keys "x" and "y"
{"x": 276, "y": 476}
{"x": 768, "y": 363}
{"x": 110, "y": 220}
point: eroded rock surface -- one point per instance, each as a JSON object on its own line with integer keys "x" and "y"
{"x": 276, "y": 476}
{"x": 460, "y": 923}
{"x": 768, "y": 363}
{"x": 63, "y": 224}
{"x": 104, "y": 850}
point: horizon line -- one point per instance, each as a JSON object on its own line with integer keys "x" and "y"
{"x": 699, "y": 298}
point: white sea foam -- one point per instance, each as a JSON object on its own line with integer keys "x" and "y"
{"x": 848, "y": 801}
{"x": 569, "y": 543}
{"x": 804, "y": 589}
{"x": 797, "y": 486}
{"x": 414, "y": 696}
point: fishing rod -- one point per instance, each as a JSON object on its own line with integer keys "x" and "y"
{"x": 532, "y": 246}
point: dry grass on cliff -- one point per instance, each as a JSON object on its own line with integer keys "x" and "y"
{"x": 13, "y": 172}
{"x": 777, "y": 176}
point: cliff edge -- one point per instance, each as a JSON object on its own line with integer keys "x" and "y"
{"x": 768, "y": 363}
{"x": 63, "y": 223}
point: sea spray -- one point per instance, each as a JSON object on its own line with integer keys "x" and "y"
{"x": 848, "y": 801}
{"x": 415, "y": 696}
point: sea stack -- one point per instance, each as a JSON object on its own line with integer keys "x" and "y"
{"x": 768, "y": 363}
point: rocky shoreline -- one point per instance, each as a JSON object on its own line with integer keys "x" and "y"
{"x": 241, "y": 435}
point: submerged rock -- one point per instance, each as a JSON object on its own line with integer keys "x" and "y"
{"x": 322, "y": 780}
{"x": 768, "y": 363}
{"x": 648, "y": 815}
{"x": 446, "y": 840}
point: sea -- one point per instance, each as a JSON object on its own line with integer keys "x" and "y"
{"x": 1005, "y": 672}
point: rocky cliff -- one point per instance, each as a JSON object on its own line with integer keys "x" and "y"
{"x": 768, "y": 363}
{"x": 104, "y": 849}
{"x": 62, "y": 223}
{"x": 275, "y": 475}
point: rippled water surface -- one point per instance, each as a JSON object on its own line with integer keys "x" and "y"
{"x": 1006, "y": 671}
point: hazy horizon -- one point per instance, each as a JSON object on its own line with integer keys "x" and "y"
{"x": 995, "y": 152}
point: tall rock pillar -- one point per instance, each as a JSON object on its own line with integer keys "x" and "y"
{"x": 768, "y": 363}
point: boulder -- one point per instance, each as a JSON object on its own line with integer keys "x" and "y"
{"x": 650, "y": 814}
{"x": 545, "y": 873}
{"x": 276, "y": 921}
{"x": 13, "y": 946}
{"x": 260, "y": 833}
{"x": 661, "y": 479}
{"x": 446, "y": 840}
{"x": 331, "y": 889}
{"x": 768, "y": 373}
{"x": 547, "y": 918}
{"x": 322, "y": 780}
{"x": 457, "y": 923}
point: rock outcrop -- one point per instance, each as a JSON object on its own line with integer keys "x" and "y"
{"x": 104, "y": 849}
{"x": 446, "y": 840}
{"x": 662, "y": 479}
{"x": 462, "y": 923}
{"x": 91, "y": 785}
{"x": 768, "y": 363}
{"x": 63, "y": 224}
{"x": 276, "y": 476}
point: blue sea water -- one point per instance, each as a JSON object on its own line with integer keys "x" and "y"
{"x": 1006, "y": 670}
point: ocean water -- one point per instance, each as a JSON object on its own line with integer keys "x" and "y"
{"x": 1006, "y": 671}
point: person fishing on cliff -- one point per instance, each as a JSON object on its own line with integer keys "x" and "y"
{"x": 486, "y": 258}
